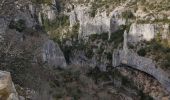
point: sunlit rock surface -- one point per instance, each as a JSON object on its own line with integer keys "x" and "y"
{"x": 139, "y": 32}
{"x": 7, "y": 89}
{"x": 100, "y": 23}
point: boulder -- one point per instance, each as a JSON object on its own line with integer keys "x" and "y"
{"x": 7, "y": 89}
{"x": 52, "y": 55}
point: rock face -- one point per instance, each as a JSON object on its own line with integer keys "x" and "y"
{"x": 147, "y": 32}
{"x": 3, "y": 27}
{"x": 139, "y": 32}
{"x": 52, "y": 55}
{"x": 140, "y": 63}
{"x": 43, "y": 11}
{"x": 143, "y": 64}
{"x": 49, "y": 12}
{"x": 7, "y": 89}
{"x": 100, "y": 23}
{"x": 89, "y": 25}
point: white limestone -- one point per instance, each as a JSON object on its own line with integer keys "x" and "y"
{"x": 140, "y": 32}
{"x": 100, "y": 23}
{"x": 52, "y": 55}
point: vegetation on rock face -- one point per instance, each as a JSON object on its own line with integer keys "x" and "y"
{"x": 141, "y": 52}
{"x": 117, "y": 37}
{"x": 18, "y": 57}
{"x": 159, "y": 50}
{"x": 42, "y": 1}
{"x": 128, "y": 15}
{"x": 60, "y": 21}
{"x": 19, "y": 25}
{"x": 103, "y": 36}
{"x": 80, "y": 82}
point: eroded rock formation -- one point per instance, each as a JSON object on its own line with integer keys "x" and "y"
{"x": 7, "y": 89}
{"x": 139, "y": 32}
{"x": 143, "y": 64}
{"x": 52, "y": 55}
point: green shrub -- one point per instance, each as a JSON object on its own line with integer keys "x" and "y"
{"x": 93, "y": 10}
{"x": 19, "y": 25}
{"x": 93, "y": 37}
{"x": 75, "y": 31}
{"x": 142, "y": 52}
{"x": 89, "y": 53}
{"x": 60, "y": 21}
{"x": 104, "y": 36}
{"x": 166, "y": 62}
{"x": 98, "y": 75}
{"x": 128, "y": 14}
{"x": 42, "y": 1}
{"x": 96, "y": 36}
{"x": 67, "y": 52}
{"x": 117, "y": 37}
{"x": 109, "y": 55}
{"x": 144, "y": 96}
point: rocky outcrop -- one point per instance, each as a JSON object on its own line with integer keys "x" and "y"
{"x": 143, "y": 64}
{"x": 100, "y": 23}
{"x": 52, "y": 55}
{"x": 3, "y": 26}
{"x": 89, "y": 25}
{"x": 49, "y": 12}
{"x": 44, "y": 11}
{"x": 7, "y": 89}
{"x": 166, "y": 31}
{"x": 140, "y": 32}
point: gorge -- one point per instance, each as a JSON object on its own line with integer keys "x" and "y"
{"x": 84, "y": 50}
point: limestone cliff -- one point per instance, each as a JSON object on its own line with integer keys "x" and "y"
{"x": 54, "y": 34}
{"x": 146, "y": 65}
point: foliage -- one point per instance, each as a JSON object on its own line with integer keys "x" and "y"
{"x": 89, "y": 53}
{"x": 103, "y": 36}
{"x": 109, "y": 55}
{"x": 160, "y": 49}
{"x": 75, "y": 31}
{"x": 144, "y": 96}
{"x": 60, "y": 21}
{"x": 141, "y": 52}
{"x": 128, "y": 14}
{"x": 69, "y": 82}
{"x": 117, "y": 37}
{"x": 19, "y": 25}
{"x": 18, "y": 57}
{"x": 42, "y": 1}
{"x": 98, "y": 75}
